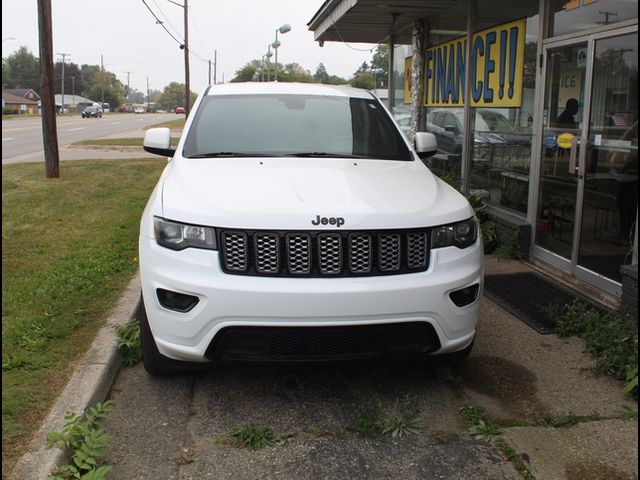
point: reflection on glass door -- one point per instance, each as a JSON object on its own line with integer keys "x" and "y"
{"x": 611, "y": 172}
{"x": 588, "y": 193}
{"x": 563, "y": 109}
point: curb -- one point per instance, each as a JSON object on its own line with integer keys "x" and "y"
{"x": 89, "y": 384}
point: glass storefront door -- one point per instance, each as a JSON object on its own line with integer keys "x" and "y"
{"x": 587, "y": 206}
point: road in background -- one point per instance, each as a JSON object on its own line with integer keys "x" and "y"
{"x": 22, "y": 138}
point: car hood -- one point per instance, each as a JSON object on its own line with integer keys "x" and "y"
{"x": 290, "y": 193}
{"x": 514, "y": 139}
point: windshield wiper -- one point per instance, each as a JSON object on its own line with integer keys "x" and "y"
{"x": 324, "y": 154}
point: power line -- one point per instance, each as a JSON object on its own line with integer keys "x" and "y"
{"x": 166, "y": 18}
{"x": 159, "y": 22}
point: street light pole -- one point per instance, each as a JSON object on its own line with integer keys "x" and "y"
{"x": 283, "y": 29}
{"x": 268, "y": 55}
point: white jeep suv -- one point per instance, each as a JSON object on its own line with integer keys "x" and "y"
{"x": 295, "y": 223}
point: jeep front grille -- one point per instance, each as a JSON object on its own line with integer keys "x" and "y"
{"x": 322, "y": 254}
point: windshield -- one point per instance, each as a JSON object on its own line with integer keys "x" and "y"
{"x": 293, "y": 125}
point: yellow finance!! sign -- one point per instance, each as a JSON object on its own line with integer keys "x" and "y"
{"x": 497, "y": 68}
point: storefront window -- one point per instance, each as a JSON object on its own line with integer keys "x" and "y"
{"x": 449, "y": 26}
{"x": 502, "y": 131}
{"x": 571, "y": 16}
{"x": 400, "y": 107}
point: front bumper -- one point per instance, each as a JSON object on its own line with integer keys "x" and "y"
{"x": 246, "y": 301}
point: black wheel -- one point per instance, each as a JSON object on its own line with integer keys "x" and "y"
{"x": 154, "y": 362}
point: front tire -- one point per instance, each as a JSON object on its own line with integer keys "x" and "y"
{"x": 154, "y": 362}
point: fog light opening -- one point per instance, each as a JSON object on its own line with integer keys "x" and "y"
{"x": 465, "y": 296}
{"x": 178, "y": 302}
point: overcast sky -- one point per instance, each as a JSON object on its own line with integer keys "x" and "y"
{"x": 126, "y": 34}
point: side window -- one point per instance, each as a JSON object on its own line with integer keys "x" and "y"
{"x": 450, "y": 123}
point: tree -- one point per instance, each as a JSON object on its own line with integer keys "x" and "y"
{"x": 173, "y": 96}
{"x": 21, "y": 70}
{"x": 363, "y": 80}
{"x": 336, "y": 80}
{"x": 293, "y": 72}
{"x": 321, "y": 75}
{"x": 380, "y": 63}
{"x": 248, "y": 72}
{"x": 73, "y": 79}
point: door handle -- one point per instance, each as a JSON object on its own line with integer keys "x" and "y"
{"x": 573, "y": 155}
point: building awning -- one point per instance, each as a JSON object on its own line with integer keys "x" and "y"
{"x": 372, "y": 21}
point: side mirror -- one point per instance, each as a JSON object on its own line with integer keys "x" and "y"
{"x": 158, "y": 142}
{"x": 426, "y": 144}
{"x": 451, "y": 129}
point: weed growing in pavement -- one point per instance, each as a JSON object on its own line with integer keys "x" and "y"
{"x": 83, "y": 436}
{"x": 628, "y": 414}
{"x": 516, "y": 459}
{"x": 365, "y": 427}
{"x": 611, "y": 339}
{"x": 485, "y": 429}
{"x": 254, "y": 438}
{"x": 128, "y": 340}
{"x": 481, "y": 427}
{"x": 472, "y": 413}
{"x": 398, "y": 426}
{"x": 564, "y": 420}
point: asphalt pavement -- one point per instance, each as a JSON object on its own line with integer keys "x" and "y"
{"x": 22, "y": 137}
{"x": 170, "y": 428}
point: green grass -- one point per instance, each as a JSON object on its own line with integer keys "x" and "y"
{"x": 120, "y": 142}
{"x": 177, "y": 124}
{"x": 69, "y": 248}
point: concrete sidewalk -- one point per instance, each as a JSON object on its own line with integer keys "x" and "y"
{"x": 514, "y": 373}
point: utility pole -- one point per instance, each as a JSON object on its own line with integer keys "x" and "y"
{"x": 63, "y": 55}
{"x": 102, "y": 81}
{"x": 215, "y": 67}
{"x": 148, "y": 99}
{"x": 128, "y": 88}
{"x": 209, "y": 72}
{"x": 185, "y": 47}
{"x": 47, "y": 87}
{"x": 73, "y": 88}
{"x": 187, "y": 93}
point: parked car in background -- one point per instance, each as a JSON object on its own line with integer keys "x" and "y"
{"x": 139, "y": 110}
{"x": 92, "y": 111}
{"x": 492, "y": 129}
{"x": 296, "y": 223}
{"x": 180, "y": 110}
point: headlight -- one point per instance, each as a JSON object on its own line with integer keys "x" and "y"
{"x": 461, "y": 234}
{"x": 178, "y": 236}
